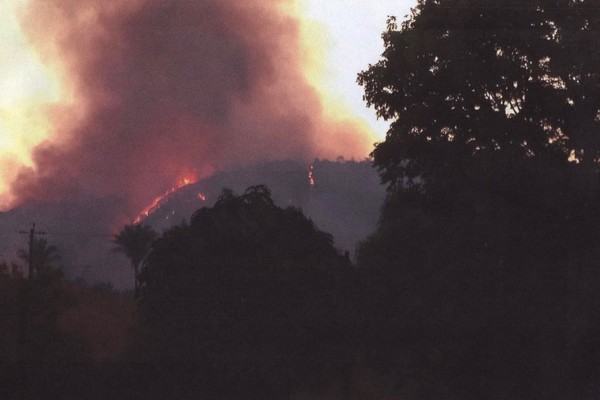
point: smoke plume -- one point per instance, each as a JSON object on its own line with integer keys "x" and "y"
{"x": 166, "y": 89}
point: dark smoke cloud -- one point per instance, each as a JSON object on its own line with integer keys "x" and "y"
{"x": 165, "y": 88}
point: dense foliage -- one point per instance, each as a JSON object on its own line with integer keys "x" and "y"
{"x": 466, "y": 82}
{"x": 34, "y": 350}
{"x": 483, "y": 264}
{"x": 243, "y": 302}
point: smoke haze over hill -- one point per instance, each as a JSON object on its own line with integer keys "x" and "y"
{"x": 344, "y": 201}
{"x": 162, "y": 90}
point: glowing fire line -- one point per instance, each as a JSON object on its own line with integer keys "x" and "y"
{"x": 160, "y": 200}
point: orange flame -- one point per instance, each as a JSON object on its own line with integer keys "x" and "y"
{"x": 311, "y": 178}
{"x": 160, "y": 200}
{"x": 201, "y": 196}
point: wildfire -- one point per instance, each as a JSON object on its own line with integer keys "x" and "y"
{"x": 160, "y": 200}
{"x": 311, "y": 178}
{"x": 201, "y": 197}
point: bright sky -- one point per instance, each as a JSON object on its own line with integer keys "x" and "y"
{"x": 353, "y": 41}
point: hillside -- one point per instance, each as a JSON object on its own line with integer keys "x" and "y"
{"x": 342, "y": 198}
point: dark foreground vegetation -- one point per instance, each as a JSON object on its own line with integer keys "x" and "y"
{"x": 481, "y": 281}
{"x": 245, "y": 301}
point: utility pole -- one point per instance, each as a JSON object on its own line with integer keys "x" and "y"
{"x": 22, "y": 338}
{"x": 32, "y": 232}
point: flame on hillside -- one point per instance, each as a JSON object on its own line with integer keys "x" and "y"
{"x": 311, "y": 177}
{"x": 162, "y": 199}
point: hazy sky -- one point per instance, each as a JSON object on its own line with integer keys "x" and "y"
{"x": 352, "y": 40}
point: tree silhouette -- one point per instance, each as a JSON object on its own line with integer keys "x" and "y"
{"x": 134, "y": 241}
{"x": 243, "y": 300}
{"x": 477, "y": 274}
{"x": 523, "y": 86}
{"x": 34, "y": 348}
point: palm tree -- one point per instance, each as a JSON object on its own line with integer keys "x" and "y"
{"x": 135, "y": 241}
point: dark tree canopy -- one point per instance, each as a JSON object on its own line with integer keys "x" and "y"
{"x": 469, "y": 81}
{"x": 34, "y": 348}
{"x": 481, "y": 279}
{"x": 242, "y": 300}
{"x": 134, "y": 241}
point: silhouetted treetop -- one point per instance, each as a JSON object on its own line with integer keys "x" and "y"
{"x": 488, "y": 241}
{"x": 253, "y": 225}
{"x": 134, "y": 241}
{"x": 246, "y": 294}
{"x": 466, "y": 80}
